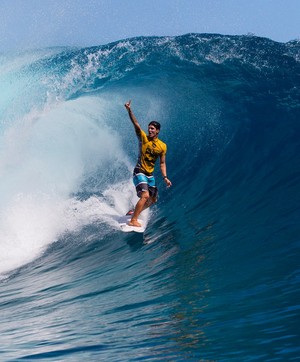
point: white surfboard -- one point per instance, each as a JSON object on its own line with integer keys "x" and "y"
{"x": 123, "y": 222}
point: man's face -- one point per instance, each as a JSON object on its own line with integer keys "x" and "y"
{"x": 152, "y": 131}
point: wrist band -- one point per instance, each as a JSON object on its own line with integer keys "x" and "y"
{"x": 165, "y": 177}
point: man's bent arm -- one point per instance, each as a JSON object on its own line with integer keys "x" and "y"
{"x": 163, "y": 169}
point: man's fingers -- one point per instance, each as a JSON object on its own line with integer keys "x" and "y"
{"x": 127, "y": 105}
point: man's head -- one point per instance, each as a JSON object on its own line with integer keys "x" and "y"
{"x": 155, "y": 124}
{"x": 153, "y": 129}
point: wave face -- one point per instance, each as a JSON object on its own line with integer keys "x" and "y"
{"x": 215, "y": 277}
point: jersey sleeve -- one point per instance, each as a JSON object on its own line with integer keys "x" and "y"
{"x": 143, "y": 136}
{"x": 164, "y": 149}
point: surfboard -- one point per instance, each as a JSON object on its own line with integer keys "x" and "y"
{"x": 123, "y": 223}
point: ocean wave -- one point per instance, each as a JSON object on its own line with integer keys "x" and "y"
{"x": 218, "y": 263}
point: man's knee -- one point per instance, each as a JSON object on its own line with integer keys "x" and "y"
{"x": 145, "y": 196}
{"x": 152, "y": 199}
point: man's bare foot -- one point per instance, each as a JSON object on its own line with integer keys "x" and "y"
{"x": 134, "y": 222}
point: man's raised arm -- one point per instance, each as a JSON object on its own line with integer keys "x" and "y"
{"x": 134, "y": 121}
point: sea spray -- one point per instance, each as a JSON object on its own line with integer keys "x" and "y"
{"x": 46, "y": 160}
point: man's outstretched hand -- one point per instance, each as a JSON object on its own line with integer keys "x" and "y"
{"x": 127, "y": 105}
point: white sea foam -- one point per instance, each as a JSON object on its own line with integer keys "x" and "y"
{"x": 45, "y": 159}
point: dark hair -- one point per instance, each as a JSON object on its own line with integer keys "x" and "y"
{"x": 155, "y": 124}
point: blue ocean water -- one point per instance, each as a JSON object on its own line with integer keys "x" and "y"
{"x": 215, "y": 277}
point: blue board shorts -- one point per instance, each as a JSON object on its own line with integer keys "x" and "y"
{"x": 144, "y": 182}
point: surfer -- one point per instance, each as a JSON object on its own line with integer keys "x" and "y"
{"x": 150, "y": 148}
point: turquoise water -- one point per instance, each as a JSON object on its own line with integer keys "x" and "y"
{"x": 215, "y": 277}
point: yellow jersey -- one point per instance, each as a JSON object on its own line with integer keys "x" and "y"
{"x": 149, "y": 151}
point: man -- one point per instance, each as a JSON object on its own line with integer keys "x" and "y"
{"x": 150, "y": 148}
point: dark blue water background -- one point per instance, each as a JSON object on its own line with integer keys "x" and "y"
{"x": 215, "y": 277}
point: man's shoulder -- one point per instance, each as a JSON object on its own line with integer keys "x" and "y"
{"x": 162, "y": 145}
{"x": 161, "y": 142}
{"x": 143, "y": 134}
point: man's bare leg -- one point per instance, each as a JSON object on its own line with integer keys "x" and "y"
{"x": 144, "y": 202}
